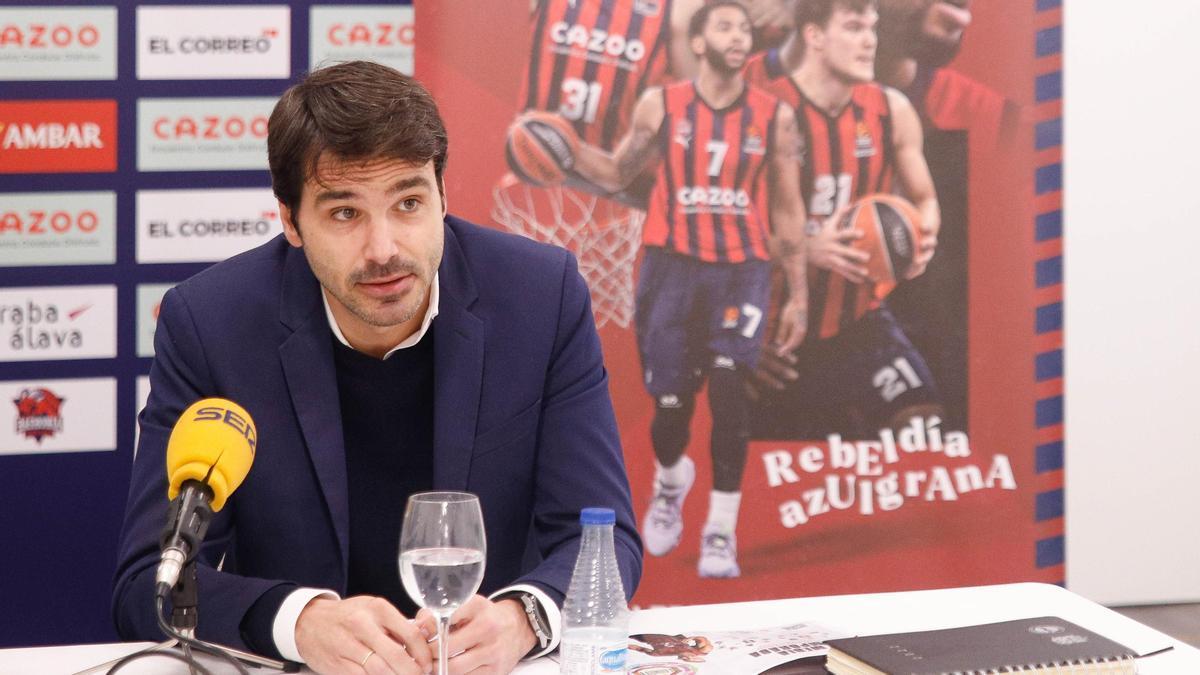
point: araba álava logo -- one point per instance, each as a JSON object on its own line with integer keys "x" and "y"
{"x": 210, "y": 127}
{"x": 36, "y": 326}
{"x": 48, "y": 36}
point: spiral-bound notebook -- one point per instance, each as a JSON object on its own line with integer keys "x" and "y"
{"x": 1045, "y": 644}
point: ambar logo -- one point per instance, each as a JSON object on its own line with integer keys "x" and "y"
{"x": 58, "y": 136}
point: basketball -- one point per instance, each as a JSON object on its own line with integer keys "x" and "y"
{"x": 891, "y": 231}
{"x": 541, "y": 147}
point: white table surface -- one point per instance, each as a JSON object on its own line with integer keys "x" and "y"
{"x": 855, "y": 614}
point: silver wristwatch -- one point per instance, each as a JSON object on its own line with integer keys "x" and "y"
{"x": 537, "y": 618}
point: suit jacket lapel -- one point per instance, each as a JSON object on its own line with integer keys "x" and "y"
{"x": 307, "y": 358}
{"x": 458, "y": 370}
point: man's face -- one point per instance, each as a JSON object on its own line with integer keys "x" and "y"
{"x": 726, "y": 40}
{"x": 372, "y": 233}
{"x": 848, "y": 44}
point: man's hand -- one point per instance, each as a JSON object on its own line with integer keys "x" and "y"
{"x": 487, "y": 637}
{"x": 793, "y": 324}
{"x": 775, "y": 371}
{"x": 362, "y": 634}
{"x": 945, "y": 21}
{"x": 829, "y": 248}
{"x": 926, "y": 245}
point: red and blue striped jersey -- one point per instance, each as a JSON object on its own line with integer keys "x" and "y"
{"x": 710, "y": 197}
{"x": 589, "y": 60}
{"x": 848, "y": 156}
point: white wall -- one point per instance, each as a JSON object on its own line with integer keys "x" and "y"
{"x": 1132, "y": 160}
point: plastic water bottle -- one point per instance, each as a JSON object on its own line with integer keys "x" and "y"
{"x": 595, "y": 619}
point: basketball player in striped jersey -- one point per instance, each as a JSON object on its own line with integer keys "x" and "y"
{"x": 967, "y": 125}
{"x": 590, "y": 59}
{"x": 727, "y": 160}
{"x": 857, "y": 372}
{"x": 588, "y": 62}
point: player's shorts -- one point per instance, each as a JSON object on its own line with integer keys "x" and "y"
{"x": 854, "y": 383}
{"x": 693, "y": 315}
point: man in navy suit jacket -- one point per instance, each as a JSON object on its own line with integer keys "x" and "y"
{"x": 328, "y": 337}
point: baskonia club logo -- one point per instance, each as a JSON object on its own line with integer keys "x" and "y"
{"x": 39, "y": 413}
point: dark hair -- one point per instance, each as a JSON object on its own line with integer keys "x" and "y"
{"x": 356, "y": 111}
{"x": 700, "y": 19}
{"x": 818, "y": 12}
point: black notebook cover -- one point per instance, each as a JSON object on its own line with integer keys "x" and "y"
{"x": 1010, "y": 644}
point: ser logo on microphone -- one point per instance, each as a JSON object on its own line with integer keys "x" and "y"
{"x": 230, "y": 418}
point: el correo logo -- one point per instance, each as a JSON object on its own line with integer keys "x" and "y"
{"x": 260, "y": 44}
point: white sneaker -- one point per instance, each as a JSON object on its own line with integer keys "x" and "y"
{"x": 718, "y": 554}
{"x": 663, "y": 525}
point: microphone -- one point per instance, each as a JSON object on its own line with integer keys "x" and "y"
{"x": 208, "y": 456}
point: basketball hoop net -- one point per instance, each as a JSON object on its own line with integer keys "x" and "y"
{"x": 604, "y": 236}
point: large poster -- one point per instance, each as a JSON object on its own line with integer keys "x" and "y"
{"x": 881, "y": 177}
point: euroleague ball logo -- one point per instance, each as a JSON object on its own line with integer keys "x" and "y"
{"x": 39, "y": 413}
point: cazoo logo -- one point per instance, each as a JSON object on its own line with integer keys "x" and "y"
{"x": 58, "y": 43}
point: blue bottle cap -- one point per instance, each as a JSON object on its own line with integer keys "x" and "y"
{"x": 597, "y": 516}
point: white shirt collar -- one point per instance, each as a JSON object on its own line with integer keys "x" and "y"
{"x": 434, "y": 295}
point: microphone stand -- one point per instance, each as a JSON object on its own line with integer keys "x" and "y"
{"x": 184, "y": 617}
{"x": 184, "y": 601}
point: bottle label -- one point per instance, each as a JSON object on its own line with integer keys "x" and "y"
{"x": 588, "y": 659}
{"x": 613, "y": 660}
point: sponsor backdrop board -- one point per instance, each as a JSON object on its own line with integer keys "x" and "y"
{"x": 132, "y": 156}
{"x": 43, "y": 43}
{"x": 58, "y": 228}
{"x": 917, "y": 440}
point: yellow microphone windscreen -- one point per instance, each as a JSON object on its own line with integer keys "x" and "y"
{"x": 213, "y": 442}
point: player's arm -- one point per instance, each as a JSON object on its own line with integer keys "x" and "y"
{"x": 914, "y": 176}
{"x": 787, "y": 219}
{"x": 684, "y": 64}
{"x": 637, "y": 151}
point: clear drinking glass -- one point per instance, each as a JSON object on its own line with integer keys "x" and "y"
{"x": 442, "y": 552}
